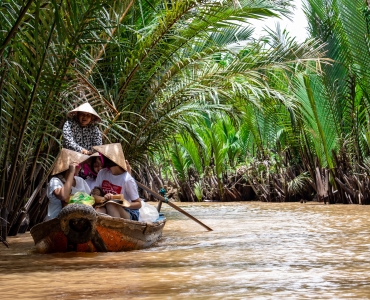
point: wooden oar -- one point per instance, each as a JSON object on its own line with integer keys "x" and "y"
{"x": 144, "y": 187}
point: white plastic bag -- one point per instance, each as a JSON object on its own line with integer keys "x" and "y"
{"x": 148, "y": 213}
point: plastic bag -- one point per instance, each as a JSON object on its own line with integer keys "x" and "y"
{"x": 81, "y": 198}
{"x": 148, "y": 213}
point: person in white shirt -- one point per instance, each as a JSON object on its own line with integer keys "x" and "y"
{"x": 64, "y": 182}
{"x": 114, "y": 179}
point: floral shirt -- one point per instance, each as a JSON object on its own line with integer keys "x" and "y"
{"x": 76, "y": 137}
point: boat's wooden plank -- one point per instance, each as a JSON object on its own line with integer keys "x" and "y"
{"x": 44, "y": 229}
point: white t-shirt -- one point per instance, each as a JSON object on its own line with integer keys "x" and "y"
{"x": 117, "y": 184}
{"x": 55, "y": 205}
{"x": 91, "y": 182}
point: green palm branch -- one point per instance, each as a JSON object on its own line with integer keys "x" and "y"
{"x": 344, "y": 27}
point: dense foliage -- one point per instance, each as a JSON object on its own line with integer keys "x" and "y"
{"x": 196, "y": 102}
{"x": 309, "y": 136}
{"x": 148, "y": 67}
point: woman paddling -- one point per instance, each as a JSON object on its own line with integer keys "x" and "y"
{"x": 114, "y": 179}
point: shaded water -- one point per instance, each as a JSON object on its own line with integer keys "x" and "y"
{"x": 256, "y": 251}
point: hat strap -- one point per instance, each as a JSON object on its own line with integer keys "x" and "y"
{"x": 88, "y": 171}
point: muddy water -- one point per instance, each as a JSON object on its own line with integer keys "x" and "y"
{"x": 256, "y": 251}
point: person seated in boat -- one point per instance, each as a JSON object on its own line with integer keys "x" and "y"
{"x": 114, "y": 179}
{"x": 91, "y": 169}
{"x": 65, "y": 181}
{"x": 81, "y": 133}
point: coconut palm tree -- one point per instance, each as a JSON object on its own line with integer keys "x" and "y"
{"x": 39, "y": 44}
{"x": 148, "y": 67}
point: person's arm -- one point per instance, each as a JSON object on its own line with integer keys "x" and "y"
{"x": 135, "y": 204}
{"x": 86, "y": 152}
{"x": 68, "y": 138}
{"x": 64, "y": 193}
{"x": 128, "y": 167}
{"x": 96, "y": 137}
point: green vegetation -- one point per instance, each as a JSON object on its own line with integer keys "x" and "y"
{"x": 307, "y": 134}
{"x": 198, "y": 105}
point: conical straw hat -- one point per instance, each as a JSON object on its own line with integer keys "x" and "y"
{"x": 114, "y": 152}
{"x": 86, "y": 107}
{"x": 94, "y": 154}
{"x": 67, "y": 157}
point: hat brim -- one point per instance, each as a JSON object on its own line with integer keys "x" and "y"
{"x": 87, "y": 108}
{"x": 65, "y": 158}
{"x": 94, "y": 118}
{"x": 114, "y": 152}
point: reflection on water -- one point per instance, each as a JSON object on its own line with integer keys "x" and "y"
{"x": 257, "y": 250}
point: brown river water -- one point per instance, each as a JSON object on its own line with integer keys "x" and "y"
{"x": 256, "y": 251}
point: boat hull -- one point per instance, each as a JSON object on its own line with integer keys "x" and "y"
{"x": 103, "y": 234}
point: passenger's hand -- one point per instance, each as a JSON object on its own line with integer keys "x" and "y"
{"x": 86, "y": 152}
{"x": 108, "y": 196}
{"x": 72, "y": 167}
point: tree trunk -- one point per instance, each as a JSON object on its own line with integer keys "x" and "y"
{"x": 3, "y": 223}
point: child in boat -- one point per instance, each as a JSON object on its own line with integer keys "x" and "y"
{"x": 115, "y": 179}
{"x": 81, "y": 133}
{"x": 64, "y": 181}
{"x": 92, "y": 168}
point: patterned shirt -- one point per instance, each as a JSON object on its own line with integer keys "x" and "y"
{"x": 76, "y": 137}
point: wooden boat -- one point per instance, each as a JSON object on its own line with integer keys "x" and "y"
{"x": 80, "y": 228}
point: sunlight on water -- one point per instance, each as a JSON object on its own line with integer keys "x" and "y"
{"x": 257, "y": 250}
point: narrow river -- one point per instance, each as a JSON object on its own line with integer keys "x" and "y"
{"x": 256, "y": 251}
